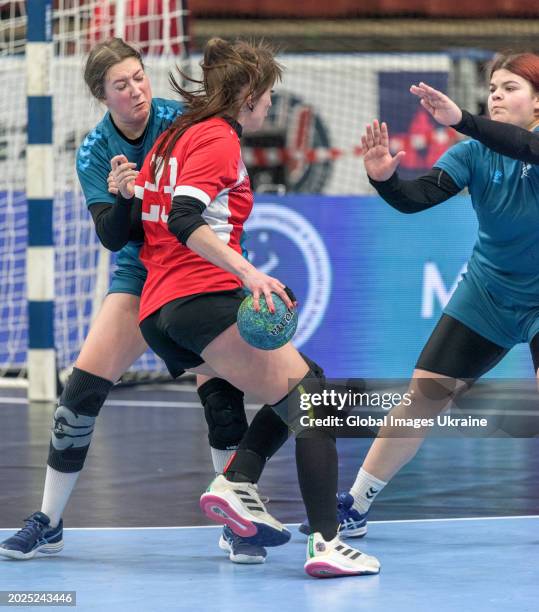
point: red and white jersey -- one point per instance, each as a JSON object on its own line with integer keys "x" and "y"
{"x": 206, "y": 165}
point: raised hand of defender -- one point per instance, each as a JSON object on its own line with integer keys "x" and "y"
{"x": 440, "y": 106}
{"x": 123, "y": 174}
{"x": 379, "y": 163}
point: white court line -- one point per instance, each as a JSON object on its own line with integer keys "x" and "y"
{"x": 177, "y": 404}
{"x": 474, "y": 518}
{"x": 466, "y": 518}
{"x": 443, "y": 520}
{"x": 151, "y": 387}
{"x": 164, "y": 404}
{"x": 133, "y": 403}
{"x": 13, "y": 400}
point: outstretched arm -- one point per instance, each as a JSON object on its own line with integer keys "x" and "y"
{"x": 504, "y": 138}
{"x": 405, "y": 196}
{"x": 419, "y": 194}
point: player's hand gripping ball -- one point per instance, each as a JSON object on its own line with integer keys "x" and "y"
{"x": 263, "y": 329}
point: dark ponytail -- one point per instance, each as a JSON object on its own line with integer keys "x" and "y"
{"x": 227, "y": 68}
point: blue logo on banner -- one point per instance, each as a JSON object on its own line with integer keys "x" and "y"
{"x": 282, "y": 243}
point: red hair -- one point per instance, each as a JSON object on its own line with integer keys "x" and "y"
{"x": 526, "y": 65}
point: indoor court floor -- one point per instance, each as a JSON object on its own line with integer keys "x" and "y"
{"x": 457, "y": 529}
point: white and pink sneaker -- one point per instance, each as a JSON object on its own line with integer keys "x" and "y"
{"x": 332, "y": 559}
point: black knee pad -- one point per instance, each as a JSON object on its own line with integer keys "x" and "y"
{"x": 224, "y": 412}
{"x": 73, "y": 425}
{"x": 85, "y": 392}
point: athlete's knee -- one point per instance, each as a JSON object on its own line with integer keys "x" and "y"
{"x": 298, "y": 409}
{"x": 316, "y": 369}
{"x": 225, "y": 413}
{"x": 436, "y": 388}
{"x": 74, "y": 419}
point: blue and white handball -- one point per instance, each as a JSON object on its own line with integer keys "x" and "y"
{"x": 263, "y": 329}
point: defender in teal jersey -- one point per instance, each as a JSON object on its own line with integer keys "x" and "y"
{"x": 496, "y": 304}
{"x": 93, "y": 167}
{"x": 115, "y": 75}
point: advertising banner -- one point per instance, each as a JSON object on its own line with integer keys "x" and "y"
{"x": 371, "y": 282}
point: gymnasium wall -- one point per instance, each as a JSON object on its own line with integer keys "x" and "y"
{"x": 370, "y": 8}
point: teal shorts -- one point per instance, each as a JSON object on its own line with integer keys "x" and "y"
{"x": 129, "y": 275}
{"x": 500, "y": 318}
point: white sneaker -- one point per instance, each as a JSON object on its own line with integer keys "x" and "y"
{"x": 238, "y": 505}
{"x": 331, "y": 559}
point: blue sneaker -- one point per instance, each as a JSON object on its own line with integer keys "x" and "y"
{"x": 33, "y": 538}
{"x": 240, "y": 550}
{"x": 352, "y": 524}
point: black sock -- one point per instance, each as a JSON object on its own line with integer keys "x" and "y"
{"x": 317, "y": 462}
{"x": 265, "y": 436}
{"x": 244, "y": 466}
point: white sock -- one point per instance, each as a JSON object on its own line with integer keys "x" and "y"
{"x": 220, "y": 458}
{"x": 364, "y": 490}
{"x": 56, "y": 493}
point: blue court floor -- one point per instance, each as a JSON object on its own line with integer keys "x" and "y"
{"x": 427, "y": 566}
{"x": 151, "y": 551}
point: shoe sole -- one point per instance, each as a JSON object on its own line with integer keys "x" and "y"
{"x": 359, "y": 532}
{"x": 323, "y": 569}
{"x": 221, "y": 511}
{"x": 246, "y": 559}
{"x": 243, "y": 559}
{"x": 46, "y": 549}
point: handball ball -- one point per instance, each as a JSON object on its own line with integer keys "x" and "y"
{"x": 264, "y": 330}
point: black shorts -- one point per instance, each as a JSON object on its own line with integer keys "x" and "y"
{"x": 179, "y": 331}
{"x": 457, "y": 351}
